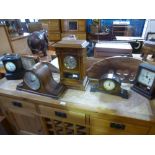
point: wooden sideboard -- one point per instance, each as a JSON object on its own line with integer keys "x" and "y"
{"x": 122, "y": 30}
{"x": 76, "y": 112}
{"x": 96, "y": 37}
{"x": 54, "y": 29}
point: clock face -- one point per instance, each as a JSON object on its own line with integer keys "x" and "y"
{"x": 146, "y": 77}
{"x": 70, "y": 62}
{"x": 32, "y": 80}
{"x": 10, "y": 66}
{"x": 109, "y": 85}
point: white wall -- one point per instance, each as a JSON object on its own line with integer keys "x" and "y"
{"x": 148, "y": 27}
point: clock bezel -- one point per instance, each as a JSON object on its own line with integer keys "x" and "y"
{"x": 11, "y": 63}
{"x": 139, "y": 87}
{"x": 110, "y": 80}
{"x": 37, "y": 78}
{"x": 112, "y": 77}
{"x": 74, "y": 58}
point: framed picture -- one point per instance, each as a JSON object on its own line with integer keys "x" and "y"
{"x": 73, "y": 25}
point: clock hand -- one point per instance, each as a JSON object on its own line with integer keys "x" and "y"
{"x": 32, "y": 80}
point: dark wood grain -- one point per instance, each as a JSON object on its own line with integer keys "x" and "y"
{"x": 103, "y": 66}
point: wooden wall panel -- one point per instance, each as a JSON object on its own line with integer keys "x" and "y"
{"x": 5, "y": 44}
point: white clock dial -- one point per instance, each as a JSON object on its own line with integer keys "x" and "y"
{"x": 70, "y": 62}
{"x": 146, "y": 77}
{"x": 109, "y": 85}
{"x": 10, "y": 66}
{"x": 32, "y": 80}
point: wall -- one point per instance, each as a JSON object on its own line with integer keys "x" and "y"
{"x": 149, "y": 27}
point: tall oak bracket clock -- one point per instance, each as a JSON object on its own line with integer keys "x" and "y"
{"x": 72, "y": 63}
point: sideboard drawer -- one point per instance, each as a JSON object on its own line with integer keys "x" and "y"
{"x": 101, "y": 126}
{"x": 152, "y": 131}
{"x": 54, "y": 25}
{"x": 54, "y": 36}
{"x": 66, "y": 116}
{"x": 18, "y": 105}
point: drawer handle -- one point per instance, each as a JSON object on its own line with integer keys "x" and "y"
{"x": 117, "y": 126}
{"x": 17, "y": 104}
{"x": 61, "y": 114}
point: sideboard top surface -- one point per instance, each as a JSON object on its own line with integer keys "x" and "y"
{"x": 136, "y": 106}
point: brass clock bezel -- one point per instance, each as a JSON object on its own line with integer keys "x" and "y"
{"x": 37, "y": 78}
{"x": 115, "y": 79}
{"x": 75, "y": 60}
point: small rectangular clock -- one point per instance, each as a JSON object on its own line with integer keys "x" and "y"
{"x": 144, "y": 82}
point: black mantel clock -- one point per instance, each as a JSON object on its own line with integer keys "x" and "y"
{"x": 144, "y": 83}
{"x": 72, "y": 63}
{"x": 110, "y": 83}
{"x": 13, "y": 66}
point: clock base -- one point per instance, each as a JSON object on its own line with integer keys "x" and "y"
{"x": 122, "y": 93}
{"x": 14, "y": 76}
{"x": 142, "y": 92}
{"x": 56, "y": 93}
{"x": 75, "y": 84}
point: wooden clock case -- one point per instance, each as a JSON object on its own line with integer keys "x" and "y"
{"x": 48, "y": 86}
{"x": 114, "y": 78}
{"x": 77, "y": 49}
{"x": 29, "y": 61}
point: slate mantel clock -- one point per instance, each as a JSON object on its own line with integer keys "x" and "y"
{"x": 72, "y": 63}
{"x": 144, "y": 83}
{"x": 13, "y": 66}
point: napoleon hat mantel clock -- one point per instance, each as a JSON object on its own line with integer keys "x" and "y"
{"x": 72, "y": 63}
{"x": 39, "y": 80}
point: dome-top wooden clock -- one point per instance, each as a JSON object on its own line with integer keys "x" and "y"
{"x": 39, "y": 80}
{"x": 72, "y": 62}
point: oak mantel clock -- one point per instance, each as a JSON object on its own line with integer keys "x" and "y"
{"x": 39, "y": 80}
{"x": 72, "y": 62}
